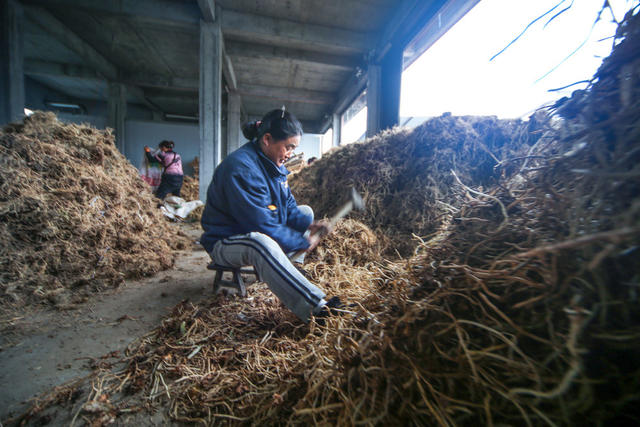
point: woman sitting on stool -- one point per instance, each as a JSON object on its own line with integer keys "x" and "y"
{"x": 251, "y": 217}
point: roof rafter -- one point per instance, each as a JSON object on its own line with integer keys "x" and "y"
{"x": 287, "y": 94}
{"x": 208, "y": 9}
{"x": 234, "y": 24}
{"x": 266, "y": 52}
{"x": 104, "y": 67}
{"x": 282, "y": 32}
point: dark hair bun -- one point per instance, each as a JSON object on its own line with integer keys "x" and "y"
{"x": 250, "y": 129}
{"x": 167, "y": 144}
{"x": 280, "y": 124}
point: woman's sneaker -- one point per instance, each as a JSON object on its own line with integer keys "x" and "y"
{"x": 333, "y": 307}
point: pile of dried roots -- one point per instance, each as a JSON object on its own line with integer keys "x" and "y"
{"x": 405, "y": 175}
{"x": 190, "y": 188}
{"x": 519, "y": 305}
{"x": 191, "y": 191}
{"x": 74, "y": 215}
{"x": 190, "y": 185}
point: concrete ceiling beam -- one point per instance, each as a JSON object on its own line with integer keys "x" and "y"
{"x": 167, "y": 97}
{"x": 286, "y": 94}
{"x": 103, "y": 67}
{"x": 57, "y": 29}
{"x": 244, "y": 26}
{"x": 162, "y": 82}
{"x": 227, "y": 70}
{"x": 161, "y": 12}
{"x": 282, "y": 32}
{"x": 208, "y": 9}
{"x": 139, "y": 94}
{"x": 37, "y": 67}
{"x": 264, "y": 52}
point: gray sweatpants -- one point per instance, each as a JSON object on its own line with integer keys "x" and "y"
{"x": 273, "y": 267}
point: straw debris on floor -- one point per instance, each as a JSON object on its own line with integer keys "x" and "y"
{"x": 74, "y": 215}
{"x": 516, "y": 301}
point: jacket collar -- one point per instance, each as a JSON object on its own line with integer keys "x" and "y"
{"x": 271, "y": 167}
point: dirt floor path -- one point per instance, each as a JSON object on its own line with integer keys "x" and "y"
{"x": 48, "y": 348}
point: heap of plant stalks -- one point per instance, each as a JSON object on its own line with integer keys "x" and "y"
{"x": 190, "y": 188}
{"x": 191, "y": 191}
{"x": 74, "y": 215}
{"x": 405, "y": 175}
{"x": 518, "y": 304}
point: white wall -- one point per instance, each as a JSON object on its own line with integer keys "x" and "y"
{"x": 141, "y": 133}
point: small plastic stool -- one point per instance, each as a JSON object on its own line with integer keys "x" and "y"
{"x": 234, "y": 286}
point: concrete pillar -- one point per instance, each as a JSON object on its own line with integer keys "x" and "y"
{"x": 117, "y": 112}
{"x": 337, "y": 129}
{"x": 391, "y": 83}
{"x": 210, "y": 102}
{"x": 373, "y": 100}
{"x": 233, "y": 122}
{"x": 383, "y": 92}
{"x": 11, "y": 61}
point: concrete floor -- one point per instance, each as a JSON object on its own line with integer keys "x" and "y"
{"x": 52, "y": 347}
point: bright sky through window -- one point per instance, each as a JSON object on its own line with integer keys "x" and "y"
{"x": 455, "y": 74}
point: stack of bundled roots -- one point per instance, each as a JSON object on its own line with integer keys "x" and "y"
{"x": 191, "y": 191}
{"x": 73, "y": 214}
{"x": 518, "y": 306}
{"x": 190, "y": 185}
{"x": 190, "y": 188}
{"x": 405, "y": 175}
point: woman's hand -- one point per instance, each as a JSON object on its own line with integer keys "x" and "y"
{"x": 317, "y": 230}
{"x": 313, "y": 239}
{"x": 320, "y": 228}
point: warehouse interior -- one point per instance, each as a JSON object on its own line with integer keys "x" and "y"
{"x": 458, "y": 270}
{"x": 204, "y": 67}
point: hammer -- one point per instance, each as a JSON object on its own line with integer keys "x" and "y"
{"x": 355, "y": 202}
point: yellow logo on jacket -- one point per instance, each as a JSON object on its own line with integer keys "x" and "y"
{"x": 272, "y": 207}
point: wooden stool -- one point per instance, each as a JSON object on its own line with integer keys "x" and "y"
{"x": 236, "y": 284}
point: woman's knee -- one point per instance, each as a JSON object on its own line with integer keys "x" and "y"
{"x": 264, "y": 240}
{"x": 264, "y": 252}
{"x": 306, "y": 210}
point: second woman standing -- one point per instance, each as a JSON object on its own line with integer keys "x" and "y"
{"x": 172, "y": 175}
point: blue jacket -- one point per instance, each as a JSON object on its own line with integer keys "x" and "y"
{"x": 250, "y": 193}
